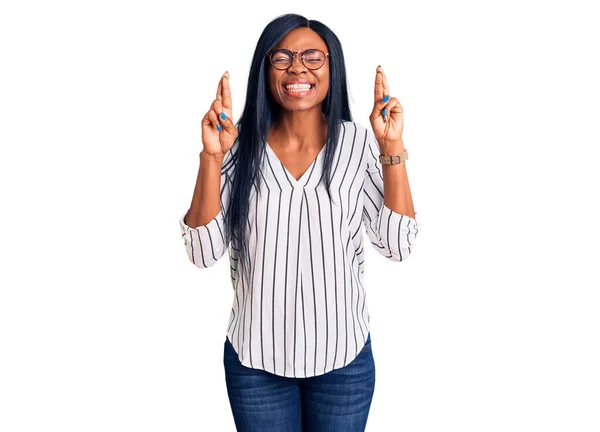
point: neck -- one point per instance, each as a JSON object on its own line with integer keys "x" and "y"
{"x": 299, "y": 130}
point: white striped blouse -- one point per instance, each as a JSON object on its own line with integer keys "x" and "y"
{"x": 302, "y": 310}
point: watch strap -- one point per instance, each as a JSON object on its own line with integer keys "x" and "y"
{"x": 393, "y": 159}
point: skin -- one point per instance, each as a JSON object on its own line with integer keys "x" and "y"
{"x": 206, "y": 202}
{"x": 300, "y": 132}
{"x": 388, "y": 131}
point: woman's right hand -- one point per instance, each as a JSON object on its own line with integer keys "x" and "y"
{"x": 217, "y": 142}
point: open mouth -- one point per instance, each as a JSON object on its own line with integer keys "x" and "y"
{"x": 298, "y": 89}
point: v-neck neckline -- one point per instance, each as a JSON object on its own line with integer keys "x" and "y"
{"x": 304, "y": 177}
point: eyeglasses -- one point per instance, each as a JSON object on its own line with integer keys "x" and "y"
{"x": 282, "y": 59}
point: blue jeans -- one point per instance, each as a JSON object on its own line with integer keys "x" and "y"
{"x": 336, "y": 401}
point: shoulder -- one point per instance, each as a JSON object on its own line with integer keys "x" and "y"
{"x": 361, "y": 129}
{"x": 365, "y": 136}
{"x": 353, "y": 124}
{"x": 360, "y": 132}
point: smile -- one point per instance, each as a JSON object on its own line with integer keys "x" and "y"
{"x": 298, "y": 90}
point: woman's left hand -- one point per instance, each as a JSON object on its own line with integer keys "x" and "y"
{"x": 386, "y": 119}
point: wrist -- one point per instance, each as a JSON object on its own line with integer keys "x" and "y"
{"x": 392, "y": 148}
{"x": 212, "y": 157}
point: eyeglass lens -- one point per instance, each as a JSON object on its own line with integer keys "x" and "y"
{"x": 313, "y": 59}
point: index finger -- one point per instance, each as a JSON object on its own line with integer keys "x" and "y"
{"x": 226, "y": 91}
{"x": 219, "y": 89}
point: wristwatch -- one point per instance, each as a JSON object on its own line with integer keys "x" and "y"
{"x": 395, "y": 159}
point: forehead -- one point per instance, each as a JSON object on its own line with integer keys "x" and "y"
{"x": 301, "y": 39}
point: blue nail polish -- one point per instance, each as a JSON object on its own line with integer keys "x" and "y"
{"x": 219, "y": 127}
{"x": 383, "y": 112}
{"x": 385, "y": 99}
{"x": 223, "y": 116}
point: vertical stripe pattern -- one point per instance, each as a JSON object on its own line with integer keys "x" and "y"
{"x": 300, "y": 306}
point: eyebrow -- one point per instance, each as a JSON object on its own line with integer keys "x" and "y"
{"x": 321, "y": 49}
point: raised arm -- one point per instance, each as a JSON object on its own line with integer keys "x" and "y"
{"x": 388, "y": 211}
{"x": 202, "y": 225}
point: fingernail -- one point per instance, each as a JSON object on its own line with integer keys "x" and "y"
{"x": 219, "y": 127}
{"x": 383, "y": 112}
{"x": 223, "y": 116}
{"x": 385, "y": 99}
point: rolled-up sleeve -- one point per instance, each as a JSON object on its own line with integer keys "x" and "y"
{"x": 205, "y": 244}
{"x": 392, "y": 234}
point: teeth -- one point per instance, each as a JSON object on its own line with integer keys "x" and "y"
{"x": 298, "y": 87}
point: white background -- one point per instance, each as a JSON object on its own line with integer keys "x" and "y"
{"x": 491, "y": 325}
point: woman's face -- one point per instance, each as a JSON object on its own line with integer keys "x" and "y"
{"x": 298, "y": 40}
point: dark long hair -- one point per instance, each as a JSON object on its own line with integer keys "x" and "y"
{"x": 260, "y": 112}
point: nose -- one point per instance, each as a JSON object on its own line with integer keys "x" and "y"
{"x": 297, "y": 64}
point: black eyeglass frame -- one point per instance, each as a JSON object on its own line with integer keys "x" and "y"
{"x": 293, "y": 54}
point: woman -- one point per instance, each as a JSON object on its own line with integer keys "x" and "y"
{"x": 286, "y": 190}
